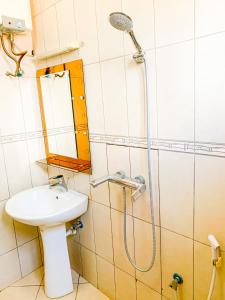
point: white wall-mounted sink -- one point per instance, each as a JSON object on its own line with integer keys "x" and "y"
{"x": 50, "y": 209}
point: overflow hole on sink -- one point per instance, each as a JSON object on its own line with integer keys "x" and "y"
{"x": 57, "y": 197}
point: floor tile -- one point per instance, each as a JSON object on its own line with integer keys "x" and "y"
{"x": 19, "y": 293}
{"x": 87, "y": 291}
{"x": 41, "y": 295}
{"x": 34, "y": 278}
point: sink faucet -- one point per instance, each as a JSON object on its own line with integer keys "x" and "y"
{"x": 58, "y": 181}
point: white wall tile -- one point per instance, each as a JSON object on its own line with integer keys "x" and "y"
{"x": 11, "y": 113}
{"x": 31, "y": 106}
{"x": 4, "y": 190}
{"x": 87, "y": 237}
{"x": 210, "y": 16}
{"x": 10, "y": 268}
{"x": 18, "y": 170}
{"x": 66, "y": 22}
{"x": 175, "y": 91}
{"x": 39, "y": 41}
{"x": 210, "y": 92}
{"x": 176, "y": 175}
{"x": 36, "y": 151}
{"x": 87, "y": 30}
{"x": 114, "y": 97}
{"x": 113, "y": 46}
{"x": 136, "y": 102}
{"x": 143, "y": 20}
{"x": 174, "y": 21}
{"x": 7, "y": 234}
{"x": 51, "y": 37}
{"x": 93, "y": 89}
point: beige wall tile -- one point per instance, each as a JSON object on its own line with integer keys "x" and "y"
{"x": 89, "y": 266}
{"x": 106, "y": 278}
{"x": 143, "y": 254}
{"x": 139, "y": 166}
{"x": 145, "y": 293}
{"x": 103, "y": 231}
{"x": 125, "y": 286}
{"x": 10, "y": 268}
{"x": 7, "y": 234}
{"x": 87, "y": 238}
{"x": 177, "y": 257}
{"x": 203, "y": 273}
{"x": 75, "y": 255}
{"x": 99, "y": 169}
{"x": 118, "y": 160}
{"x": 176, "y": 173}
{"x": 120, "y": 256}
{"x": 30, "y": 256}
{"x": 209, "y": 199}
{"x": 25, "y": 233}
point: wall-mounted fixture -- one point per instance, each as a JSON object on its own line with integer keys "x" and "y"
{"x": 176, "y": 281}
{"x": 15, "y": 18}
{"x": 8, "y": 29}
{"x": 69, "y": 48}
{"x": 216, "y": 262}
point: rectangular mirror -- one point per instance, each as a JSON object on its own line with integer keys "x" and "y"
{"x": 64, "y": 116}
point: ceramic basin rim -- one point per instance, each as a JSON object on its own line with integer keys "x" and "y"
{"x": 83, "y": 199}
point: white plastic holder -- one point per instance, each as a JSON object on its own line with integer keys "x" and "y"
{"x": 58, "y": 277}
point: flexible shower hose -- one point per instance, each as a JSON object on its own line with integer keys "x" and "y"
{"x": 213, "y": 279}
{"x": 152, "y": 261}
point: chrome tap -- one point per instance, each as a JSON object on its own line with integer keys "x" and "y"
{"x": 58, "y": 181}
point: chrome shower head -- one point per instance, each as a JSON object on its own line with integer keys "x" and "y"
{"x": 121, "y": 21}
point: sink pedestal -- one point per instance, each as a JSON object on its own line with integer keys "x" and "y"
{"x": 58, "y": 278}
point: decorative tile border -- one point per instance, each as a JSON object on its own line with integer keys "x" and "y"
{"x": 212, "y": 149}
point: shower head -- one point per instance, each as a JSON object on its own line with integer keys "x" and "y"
{"x": 121, "y": 21}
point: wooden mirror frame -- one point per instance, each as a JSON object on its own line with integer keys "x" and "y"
{"x": 83, "y": 162}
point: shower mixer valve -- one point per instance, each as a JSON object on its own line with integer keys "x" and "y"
{"x": 137, "y": 184}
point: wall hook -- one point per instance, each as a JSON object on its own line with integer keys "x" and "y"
{"x": 10, "y": 36}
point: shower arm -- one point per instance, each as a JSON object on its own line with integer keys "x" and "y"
{"x": 21, "y": 54}
{"x": 137, "y": 184}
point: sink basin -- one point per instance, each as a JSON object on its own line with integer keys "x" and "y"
{"x": 43, "y": 206}
{"x": 50, "y": 209}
